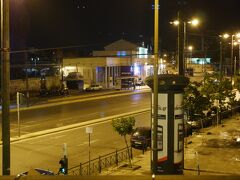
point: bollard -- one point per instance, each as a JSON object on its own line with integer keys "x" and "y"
{"x": 99, "y": 165}
{"x": 80, "y": 169}
{"x": 131, "y": 154}
{"x": 116, "y": 156}
{"x": 197, "y": 162}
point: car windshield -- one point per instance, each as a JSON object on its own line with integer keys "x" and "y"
{"x": 142, "y": 132}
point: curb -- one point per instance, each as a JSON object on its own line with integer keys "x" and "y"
{"x": 76, "y": 99}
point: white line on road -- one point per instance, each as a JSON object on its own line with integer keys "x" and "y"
{"x": 68, "y": 128}
{"x": 86, "y": 142}
{"x": 57, "y": 137}
{"x": 27, "y": 126}
{"x": 65, "y": 119}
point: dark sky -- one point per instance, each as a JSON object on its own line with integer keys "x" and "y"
{"x": 55, "y": 23}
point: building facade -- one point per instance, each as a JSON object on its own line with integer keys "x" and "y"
{"x": 119, "y": 59}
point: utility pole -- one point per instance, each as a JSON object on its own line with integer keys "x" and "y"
{"x": 231, "y": 63}
{"x": 184, "y": 45}
{"x": 155, "y": 89}
{"x": 181, "y": 65}
{"x": 5, "y": 75}
{"x": 221, "y": 62}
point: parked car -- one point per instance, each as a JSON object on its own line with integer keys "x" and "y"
{"x": 188, "y": 130}
{"x": 94, "y": 87}
{"x": 141, "y": 138}
{"x": 139, "y": 83}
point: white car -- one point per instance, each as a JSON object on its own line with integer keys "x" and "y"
{"x": 94, "y": 87}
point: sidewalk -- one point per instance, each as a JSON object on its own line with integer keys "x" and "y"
{"x": 217, "y": 149}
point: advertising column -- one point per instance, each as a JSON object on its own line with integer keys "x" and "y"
{"x": 169, "y": 154}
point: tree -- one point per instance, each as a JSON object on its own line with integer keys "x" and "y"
{"x": 194, "y": 102}
{"x": 124, "y": 126}
{"x": 220, "y": 89}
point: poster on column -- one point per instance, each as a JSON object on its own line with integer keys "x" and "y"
{"x": 162, "y": 128}
{"x": 178, "y": 128}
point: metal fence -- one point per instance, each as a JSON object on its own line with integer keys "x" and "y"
{"x": 95, "y": 166}
{"x": 216, "y": 119}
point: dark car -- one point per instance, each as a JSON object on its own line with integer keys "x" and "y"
{"x": 141, "y": 138}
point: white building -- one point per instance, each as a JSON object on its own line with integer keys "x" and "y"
{"x": 121, "y": 58}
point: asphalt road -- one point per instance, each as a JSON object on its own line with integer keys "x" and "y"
{"x": 45, "y": 151}
{"x": 60, "y": 114}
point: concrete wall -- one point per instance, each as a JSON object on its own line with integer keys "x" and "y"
{"x": 19, "y": 85}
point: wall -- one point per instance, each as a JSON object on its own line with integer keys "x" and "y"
{"x": 19, "y": 85}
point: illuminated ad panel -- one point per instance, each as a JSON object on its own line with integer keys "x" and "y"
{"x": 162, "y": 128}
{"x": 178, "y": 128}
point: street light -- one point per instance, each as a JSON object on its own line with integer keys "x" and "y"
{"x": 194, "y": 22}
{"x": 224, "y": 36}
{"x": 5, "y": 77}
{"x": 235, "y": 44}
{"x": 233, "y": 36}
{"x": 190, "y": 49}
{"x": 155, "y": 88}
{"x": 237, "y": 35}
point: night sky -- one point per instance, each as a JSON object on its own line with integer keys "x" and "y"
{"x": 91, "y": 23}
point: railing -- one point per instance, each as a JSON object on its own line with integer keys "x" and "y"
{"x": 216, "y": 119}
{"x": 95, "y": 166}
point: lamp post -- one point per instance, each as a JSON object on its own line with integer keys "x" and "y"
{"x": 231, "y": 63}
{"x": 238, "y": 56}
{"x": 194, "y": 22}
{"x": 5, "y": 75}
{"x": 155, "y": 83}
{"x": 220, "y": 57}
{"x": 190, "y": 49}
{"x": 225, "y": 36}
{"x": 235, "y": 60}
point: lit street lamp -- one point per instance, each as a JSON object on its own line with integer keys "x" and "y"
{"x": 235, "y": 60}
{"x": 233, "y": 36}
{"x": 193, "y": 23}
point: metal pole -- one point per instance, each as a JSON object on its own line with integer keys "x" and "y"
{"x": 220, "y": 68}
{"x": 5, "y": 57}
{"x": 27, "y": 83}
{"x": 89, "y": 154}
{"x": 155, "y": 84}
{"x": 65, "y": 149}
{"x": 231, "y": 63}
{"x": 235, "y": 66}
{"x": 180, "y": 46}
{"x": 184, "y": 45}
{"x": 239, "y": 59}
{"x": 65, "y": 157}
{"x": 18, "y": 113}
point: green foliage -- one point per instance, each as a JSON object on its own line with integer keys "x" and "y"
{"x": 220, "y": 89}
{"x": 194, "y": 102}
{"x": 237, "y": 82}
{"x": 199, "y": 97}
{"x": 123, "y": 125}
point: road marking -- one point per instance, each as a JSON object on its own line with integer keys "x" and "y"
{"x": 81, "y": 125}
{"x": 29, "y": 122}
{"x": 27, "y": 126}
{"x": 57, "y": 137}
{"x": 65, "y": 119}
{"x": 86, "y": 142}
